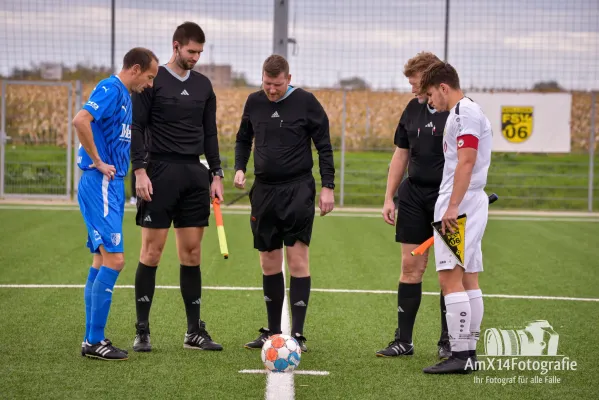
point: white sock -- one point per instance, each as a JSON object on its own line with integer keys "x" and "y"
{"x": 477, "y": 310}
{"x": 458, "y": 320}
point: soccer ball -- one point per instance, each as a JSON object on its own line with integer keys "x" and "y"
{"x": 281, "y": 353}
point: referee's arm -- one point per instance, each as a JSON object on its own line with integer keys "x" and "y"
{"x": 210, "y": 133}
{"x": 399, "y": 162}
{"x": 142, "y": 104}
{"x": 319, "y": 123}
{"x": 243, "y": 141}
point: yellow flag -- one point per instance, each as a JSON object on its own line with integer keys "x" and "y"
{"x": 454, "y": 241}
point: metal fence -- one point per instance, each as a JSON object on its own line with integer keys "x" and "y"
{"x": 350, "y": 53}
{"x": 32, "y": 161}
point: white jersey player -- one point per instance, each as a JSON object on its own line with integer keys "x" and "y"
{"x": 467, "y": 147}
{"x": 466, "y": 128}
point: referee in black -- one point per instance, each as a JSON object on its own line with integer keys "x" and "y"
{"x": 419, "y": 141}
{"x": 174, "y": 122}
{"x": 284, "y": 120}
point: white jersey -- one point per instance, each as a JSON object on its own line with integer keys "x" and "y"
{"x": 467, "y": 126}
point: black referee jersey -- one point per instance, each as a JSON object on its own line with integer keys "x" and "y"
{"x": 283, "y": 132}
{"x": 177, "y": 116}
{"x": 420, "y": 130}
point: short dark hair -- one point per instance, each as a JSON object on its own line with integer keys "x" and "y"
{"x": 438, "y": 73}
{"x": 187, "y": 32}
{"x": 274, "y": 65}
{"x": 141, "y": 56}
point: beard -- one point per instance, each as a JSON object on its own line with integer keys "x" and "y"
{"x": 186, "y": 65}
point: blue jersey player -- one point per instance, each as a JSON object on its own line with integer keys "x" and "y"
{"x": 104, "y": 130}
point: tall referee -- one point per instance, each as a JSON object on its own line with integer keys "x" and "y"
{"x": 283, "y": 120}
{"x": 173, "y": 124}
{"x": 419, "y": 141}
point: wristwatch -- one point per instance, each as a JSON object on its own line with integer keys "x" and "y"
{"x": 219, "y": 172}
{"x": 329, "y": 185}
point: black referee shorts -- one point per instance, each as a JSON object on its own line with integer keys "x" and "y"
{"x": 181, "y": 196}
{"x": 282, "y": 213}
{"x": 415, "y": 213}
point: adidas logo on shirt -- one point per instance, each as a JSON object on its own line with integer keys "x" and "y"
{"x": 429, "y": 125}
{"x": 275, "y": 115}
{"x": 184, "y": 93}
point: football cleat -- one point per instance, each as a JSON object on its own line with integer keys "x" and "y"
{"x": 105, "y": 351}
{"x": 301, "y": 340}
{"x": 396, "y": 348}
{"x": 265, "y": 333}
{"x": 142, "y": 338}
{"x": 453, "y": 365}
{"x": 444, "y": 350}
{"x": 200, "y": 340}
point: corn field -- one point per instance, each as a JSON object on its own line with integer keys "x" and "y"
{"x": 38, "y": 114}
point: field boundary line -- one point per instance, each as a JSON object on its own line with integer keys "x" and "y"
{"x": 255, "y": 288}
{"x": 281, "y": 386}
{"x": 345, "y": 213}
{"x": 296, "y": 372}
{"x": 367, "y": 210}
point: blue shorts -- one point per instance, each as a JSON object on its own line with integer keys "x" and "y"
{"x": 102, "y": 205}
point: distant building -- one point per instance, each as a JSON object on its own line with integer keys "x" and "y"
{"x": 219, "y": 75}
{"x": 51, "y": 71}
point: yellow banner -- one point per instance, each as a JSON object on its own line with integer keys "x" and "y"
{"x": 454, "y": 241}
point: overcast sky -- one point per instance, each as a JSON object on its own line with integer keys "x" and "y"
{"x": 492, "y": 43}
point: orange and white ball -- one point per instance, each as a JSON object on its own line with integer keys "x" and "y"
{"x": 281, "y": 353}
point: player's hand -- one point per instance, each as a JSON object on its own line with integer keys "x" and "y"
{"x": 326, "y": 201}
{"x": 239, "y": 180}
{"x": 389, "y": 212}
{"x": 216, "y": 188}
{"x": 143, "y": 185}
{"x": 108, "y": 170}
{"x": 450, "y": 219}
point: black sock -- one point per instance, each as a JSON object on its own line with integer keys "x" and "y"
{"x": 145, "y": 283}
{"x": 408, "y": 302}
{"x": 191, "y": 291}
{"x": 299, "y": 294}
{"x": 444, "y": 332}
{"x": 274, "y": 293}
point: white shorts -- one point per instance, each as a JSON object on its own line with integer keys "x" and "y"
{"x": 475, "y": 205}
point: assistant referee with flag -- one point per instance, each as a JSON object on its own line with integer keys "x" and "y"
{"x": 174, "y": 123}
{"x": 419, "y": 148}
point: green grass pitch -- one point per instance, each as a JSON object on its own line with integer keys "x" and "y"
{"x": 524, "y": 181}
{"x": 41, "y": 328}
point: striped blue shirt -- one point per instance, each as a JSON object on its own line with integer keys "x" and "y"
{"x": 110, "y": 106}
